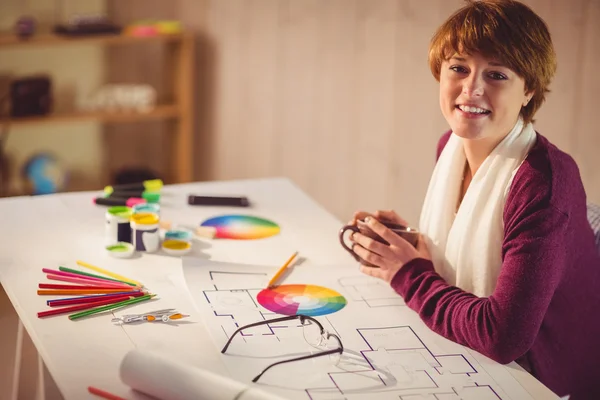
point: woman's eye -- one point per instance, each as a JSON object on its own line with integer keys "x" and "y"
{"x": 458, "y": 68}
{"x": 497, "y": 76}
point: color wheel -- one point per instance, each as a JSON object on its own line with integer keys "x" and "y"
{"x": 242, "y": 227}
{"x": 308, "y": 300}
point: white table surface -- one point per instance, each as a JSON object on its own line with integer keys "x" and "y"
{"x": 49, "y": 231}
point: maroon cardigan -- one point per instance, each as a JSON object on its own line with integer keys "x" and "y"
{"x": 544, "y": 312}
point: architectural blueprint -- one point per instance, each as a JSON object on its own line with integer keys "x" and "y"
{"x": 388, "y": 352}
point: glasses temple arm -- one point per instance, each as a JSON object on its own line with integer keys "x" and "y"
{"x": 323, "y": 353}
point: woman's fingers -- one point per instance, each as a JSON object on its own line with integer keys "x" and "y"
{"x": 387, "y": 234}
{"x": 360, "y": 215}
{"x": 370, "y": 244}
{"x": 390, "y": 215}
{"x": 368, "y": 255}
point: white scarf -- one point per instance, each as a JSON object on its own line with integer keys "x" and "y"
{"x": 466, "y": 247}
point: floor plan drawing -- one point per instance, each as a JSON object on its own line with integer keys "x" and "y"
{"x": 375, "y": 293}
{"x": 388, "y": 352}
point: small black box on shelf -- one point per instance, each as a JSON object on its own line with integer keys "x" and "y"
{"x": 30, "y": 96}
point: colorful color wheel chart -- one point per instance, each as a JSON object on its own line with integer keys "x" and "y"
{"x": 308, "y": 300}
{"x": 242, "y": 227}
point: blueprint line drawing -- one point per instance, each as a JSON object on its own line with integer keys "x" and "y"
{"x": 388, "y": 352}
{"x": 375, "y": 293}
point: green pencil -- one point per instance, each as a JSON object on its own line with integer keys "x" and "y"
{"x": 110, "y": 307}
{"x": 74, "y": 271}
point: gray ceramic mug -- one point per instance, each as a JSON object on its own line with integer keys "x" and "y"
{"x": 409, "y": 234}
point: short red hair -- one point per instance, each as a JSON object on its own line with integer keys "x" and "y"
{"x": 505, "y": 30}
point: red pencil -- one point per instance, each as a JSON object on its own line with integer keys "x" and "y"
{"x": 82, "y": 287}
{"x": 91, "y": 299}
{"x": 80, "y": 307}
{"x": 103, "y": 394}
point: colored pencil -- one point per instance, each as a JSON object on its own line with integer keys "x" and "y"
{"x": 108, "y": 273}
{"x": 80, "y": 307}
{"x": 93, "y": 296}
{"x": 104, "y": 394}
{"x": 281, "y": 270}
{"x": 59, "y": 292}
{"x": 91, "y": 299}
{"x": 110, "y": 307}
{"x": 74, "y": 271}
{"x": 81, "y": 287}
{"x": 79, "y": 275}
{"x": 88, "y": 281}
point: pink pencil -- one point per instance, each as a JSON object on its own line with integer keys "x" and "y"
{"x": 87, "y": 281}
{"x": 72, "y": 275}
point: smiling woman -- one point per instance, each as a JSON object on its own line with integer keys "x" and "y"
{"x": 506, "y": 263}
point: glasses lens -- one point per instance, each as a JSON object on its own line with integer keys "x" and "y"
{"x": 312, "y": 334}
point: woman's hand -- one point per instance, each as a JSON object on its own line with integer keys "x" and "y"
{"x": 380, "y": 215}
{"x": 389, "y": 258}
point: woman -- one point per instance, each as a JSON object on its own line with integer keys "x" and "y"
{"x": 506, "y": 263}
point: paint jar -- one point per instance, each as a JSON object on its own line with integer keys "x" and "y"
{"x": 146, "y": 208}
{"x": 117, "y": 227}
{"x": 144, "y": 231}
{"x": 179, "y": 234}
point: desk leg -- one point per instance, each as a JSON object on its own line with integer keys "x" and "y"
{"x": 23, "y": 375}
{"x": 10, "y": 347}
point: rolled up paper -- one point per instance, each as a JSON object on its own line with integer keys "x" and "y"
{"x": 164, "y": 378}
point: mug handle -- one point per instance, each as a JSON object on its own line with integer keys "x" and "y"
{"x": 345, "y": 228}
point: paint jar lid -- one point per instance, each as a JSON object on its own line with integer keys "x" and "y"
{"x": 120, "y": 250}
{"x": 145, "y": 218}
{"x": 179, "y": 234}
{"x": 146, "y": 208}
{"x": 176, "y": 247}
{"x": 119, "y": 212}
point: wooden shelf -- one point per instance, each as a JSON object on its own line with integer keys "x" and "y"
{"x": 179, "y": 67}
{"x": 50, "y": 39}
{"x": 159, "y": 112}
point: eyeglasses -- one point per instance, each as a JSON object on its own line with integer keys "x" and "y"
{"x": 314, "y": 334}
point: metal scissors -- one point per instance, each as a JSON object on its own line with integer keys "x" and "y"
{"x": 164, "y": 315}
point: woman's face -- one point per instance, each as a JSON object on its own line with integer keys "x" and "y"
{"x": 479, "y": 97}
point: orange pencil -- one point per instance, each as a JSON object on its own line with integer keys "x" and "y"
{"x": 281, "y": 270}
{"x": 58, "y": 292}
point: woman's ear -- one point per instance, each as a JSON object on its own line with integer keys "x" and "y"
{"x": 527, "y": 99}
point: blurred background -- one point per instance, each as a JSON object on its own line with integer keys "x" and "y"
{"x": 334, "y": 94}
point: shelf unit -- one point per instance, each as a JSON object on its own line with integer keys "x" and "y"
{"x": 182, "y": 50}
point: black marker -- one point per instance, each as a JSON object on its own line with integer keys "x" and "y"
{"x": 118, "y": 201}
{"x": 151, "y": 185}
{"x": 218, "y": 201}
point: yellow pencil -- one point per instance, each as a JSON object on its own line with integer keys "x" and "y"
{"x": 281, "y": 270}
{"x": 108, "y": 273}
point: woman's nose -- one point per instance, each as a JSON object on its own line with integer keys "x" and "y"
{"x": 473, "y": 85}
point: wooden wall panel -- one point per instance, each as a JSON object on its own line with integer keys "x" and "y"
{"x": 256, "y": 148}
{"x": 333, "y": 154}
{"x": 375, "y": 76}
{"x": 297, "y": 82}
{"x": 337, "y": 94}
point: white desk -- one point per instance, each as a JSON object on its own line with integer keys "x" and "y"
{"x": 49, "y": 231}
